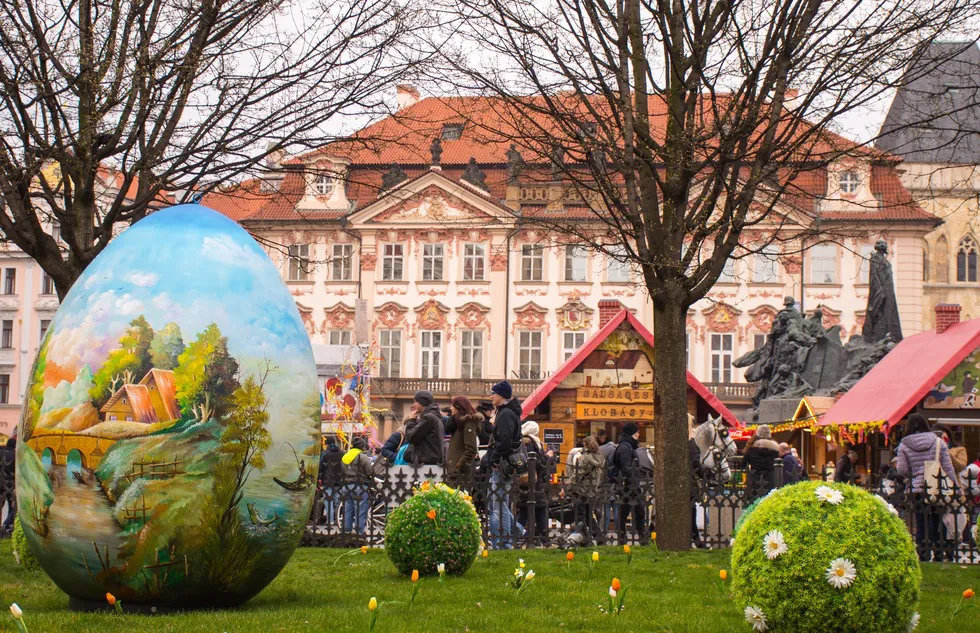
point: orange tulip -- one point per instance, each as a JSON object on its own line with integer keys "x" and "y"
{"x": 364, "y": 549}
{"x": 616, "y": 585}
{"x": 426, "y": 485}
{"x": 653, "y": 535}
{"x": 968, "y": 594}
{"x": 723, "y": 574}
{"x": 431, "y": 514}
{"x": 415, "y": 575}
{"x": 111, "y": 599}
{"x": 570, "y": 556}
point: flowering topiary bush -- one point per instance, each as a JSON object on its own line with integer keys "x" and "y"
{"x": 436, "y": 525}
{"x": 821, "y": 557}
{"x": 742, "y": 518}
{"x": 22, "y": 551}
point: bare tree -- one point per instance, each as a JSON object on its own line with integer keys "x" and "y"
{"x": 683, "y": 125}
{"x": 110, "y": 108}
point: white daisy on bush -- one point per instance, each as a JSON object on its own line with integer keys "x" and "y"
{"x": 885, "y": 503}
{"x": 756, "y": 618}
{"x": 829, "y": 495}
{"x": 913, "y": 623}
{"x": 841, "y": 573}
{"x": 775, "y": 544}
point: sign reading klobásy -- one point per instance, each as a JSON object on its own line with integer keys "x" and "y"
{"x": 631, "y": 412}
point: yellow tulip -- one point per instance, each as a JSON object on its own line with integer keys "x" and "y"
{"x": 372, "y": 604}
{"x": 653, "y": 535}
{"x": 364, "y": 549}
{"x": 415, "y": 575}
{"x": 595, "y": 557}
{"x": 723, "y": 574}
{"x": 626, "y": 549}
{"x": 486, "y": 554}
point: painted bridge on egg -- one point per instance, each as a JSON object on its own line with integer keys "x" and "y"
{"x": 62, "y": 448}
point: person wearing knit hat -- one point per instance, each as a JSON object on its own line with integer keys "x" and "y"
{"x": 425, "y": 431}
{"x": 625, "y": 473}
{"x": 504, "y": 441}
{"x": 503, "y": 389}
{"x": 760, "y": 461}
{"x": 424, "y": 398}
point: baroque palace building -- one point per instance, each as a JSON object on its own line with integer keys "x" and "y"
{"x": 463, "y": 288}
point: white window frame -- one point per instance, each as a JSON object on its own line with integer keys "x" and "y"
{"x": 571, "y": 341}
{"x": 864, "y": 263}
{"x": 532, "y": 262}
{"x": 339, "y": 337}
{"x": 617, "y": 272}
{"x": 47, "y": 284}
{"x": 298, "y": 262}
{"x": 823, "y": 264}
{"x": 342, "y": 263}
{"x": 849, "y": 180}
{"x": 727, "y": 275}
{"x": 530, "y": 354}
{"x": 433, "y": 262}
{"x": 392, "y": 254}
{"x": 324, "y": 184}
{"x": 766, "y": 269}
{"x": 576, "y": 264}
{"x": 471, "y": 354}
{"x": 721, "y": 358}
{"x": 474, "y": 262}
{"x": 390, "y": 345}
{"x": 430, "y": 354}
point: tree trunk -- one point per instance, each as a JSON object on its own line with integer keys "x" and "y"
{"x": 671, "y": 475}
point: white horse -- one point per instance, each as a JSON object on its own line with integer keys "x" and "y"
{"x": 716, "y": 446}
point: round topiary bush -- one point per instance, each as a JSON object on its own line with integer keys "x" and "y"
{"x": 436, "y": 525}
{"x": 22, "y": 551}
{"x": 742, "y": 518}
{"x": 821, "y": 557}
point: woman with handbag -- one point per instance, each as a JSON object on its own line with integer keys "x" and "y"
{"x": 924, "y": 459}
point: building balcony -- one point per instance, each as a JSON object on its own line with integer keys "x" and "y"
{"x": 406, "y": 387}
{"x": 733, "y": 392}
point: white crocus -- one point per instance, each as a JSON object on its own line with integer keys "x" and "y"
{"x": 774, "y": 545}
{"x": 841, "y": 573}
{"x": 756, "y": 618}
{"x": 520, "y": 563}
{"x": 441, "y": 568}
{"x": 829, "y": 495}
{"x": 16, "y": 612}
{"x": 913, "y": 623}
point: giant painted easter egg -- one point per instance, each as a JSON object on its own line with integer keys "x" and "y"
{"x": 169, "y": 436}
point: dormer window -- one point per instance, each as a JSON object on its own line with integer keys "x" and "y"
{"x": 849, "y": 181}
{"x": 452, "y": 131}
{"x": 324, "y": 184}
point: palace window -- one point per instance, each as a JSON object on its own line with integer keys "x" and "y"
{"x": 10, "y": 281}
{"x": 47, "y": 284}
{"x": 432, "y": 262}
{"x": 452, "y": 131}
{"x": 966, "y": 260}
{"x": 299, "y": 262}
{"x": 471, "y": 353}
{"x": 390, "y": 342}
{"x": 324, "y": 184}
{"x": 571, "y": 341}
{"x": 4, "y": 388}
{"x": 8, "y": 335}
{"x": 728, "y": 272}
{"x": 474, "y": 262}
{"x": 532, "y": 262}
{"x": 343, "y": 262}
{"x": 823, "y": 264}
{"x": 576, "y": 263}
{"x": 766, "y": 265}
{"x": 721, "y": 357}
{"x": 45, "y": 324}
{"x": 618, "y": 269}
{"x": 529, "y": 355}
{"x": 340, "y": 337}
{"x": 864, "y": 272}
{"x": 392, "y": 262}
{"x": 431, "y": 353}
{"x": 849, "y": 181}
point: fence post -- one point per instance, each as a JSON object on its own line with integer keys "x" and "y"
{"x": 532, "y": 476}
{"x": 778, "y": 472}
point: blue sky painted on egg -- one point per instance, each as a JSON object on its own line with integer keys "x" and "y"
{"x": 190, "y": 265}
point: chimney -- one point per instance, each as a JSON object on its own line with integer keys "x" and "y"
{"x": 946, "y": 315}
{"x": 608, "y": 308}
{"x": 407, "y": 95}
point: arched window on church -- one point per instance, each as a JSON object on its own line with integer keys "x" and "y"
{"x": 966, "y": 260}
{"x": 941, "y": 261}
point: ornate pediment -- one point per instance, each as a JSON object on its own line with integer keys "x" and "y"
{"x": 433, "y": 204}
{"x": 721, "y": 317}
{"x": 431, "y": 315}
{"x": 574, "y": 315}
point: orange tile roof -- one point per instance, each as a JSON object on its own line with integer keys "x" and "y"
{"x": 139, "y": 399}
{"x": 166, "y": 387}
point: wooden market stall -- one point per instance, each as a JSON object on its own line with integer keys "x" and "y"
{"x": 933, "y": 373}
{"x": 607, "y": 383}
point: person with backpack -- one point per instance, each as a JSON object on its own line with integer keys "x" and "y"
{"x": 395, "y": 446}
{"x": 544, "y": 467}
{"x": 330, "y": 476}
{"x": 359, "y": 472}
{"x": 584, "y": 479}
{"x": 920, "y": 451}
{"x": 625, "y": 473}
{"x": 503, "y": 460}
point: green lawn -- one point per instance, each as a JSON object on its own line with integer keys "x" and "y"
{"x": 666, "y": 593}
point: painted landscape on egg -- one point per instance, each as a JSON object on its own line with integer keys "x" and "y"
{"x": 170, "y": 431}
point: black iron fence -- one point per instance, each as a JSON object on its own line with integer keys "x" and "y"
{"x": 7, "y": 499}
{"x": 573, "y": 511}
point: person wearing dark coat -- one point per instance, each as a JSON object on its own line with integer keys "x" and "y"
{"x": 844, "y": 471}
{"x": 625, "y": 472}
{"x": 8, "y": 454}
{"x": 464, "y": 442}
{"x": 503, "y": 443}
{"x": 792, "y": 469}
{"x": 330, "y": 477}
{"x": 424, "y": 434}
{"x": 760, "y": 461}
{"x": 389, "y": 450}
